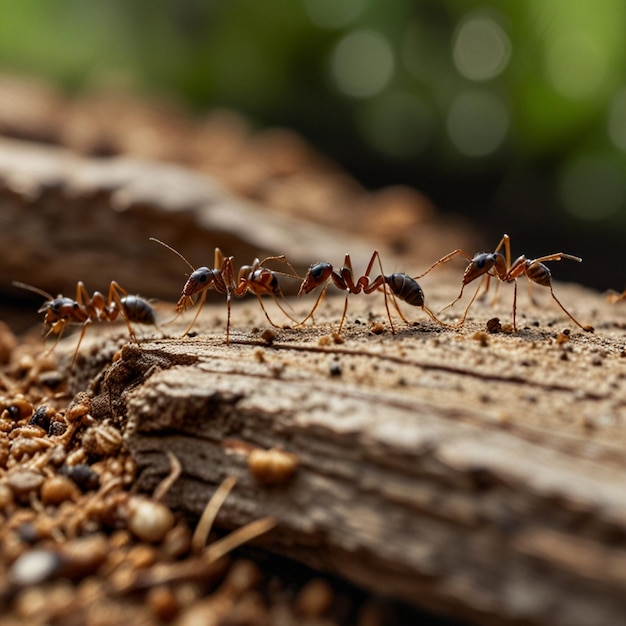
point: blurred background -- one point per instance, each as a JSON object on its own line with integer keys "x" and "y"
{"x": 510, "y": 114}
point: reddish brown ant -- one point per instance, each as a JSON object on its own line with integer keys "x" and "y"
{"x": 400, "y": 285}
{"x": 61, "y": 311}
{"x": 495, "y": 264}
{"x": 615, "y": 297}
{"x": 254, "y": 278}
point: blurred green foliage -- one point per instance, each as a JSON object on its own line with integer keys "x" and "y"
{"x": 506, "y": 111}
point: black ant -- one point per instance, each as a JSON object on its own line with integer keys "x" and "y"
{"x": 401, "y": 286}
{"x": 254, "y": 278}
{"x": 61, "y": 311}
{"x": 499, "y": 266}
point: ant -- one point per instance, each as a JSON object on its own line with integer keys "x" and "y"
{"x": 614, "y": 297}
{"x": 401, "y": 286}
{"x": 254, "y": 278}
{"x": 499, "y": 266}
{"x": 62, "y": 311}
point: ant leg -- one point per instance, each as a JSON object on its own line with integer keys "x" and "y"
{"x": 285, "y": 313}
{"x": 585, "y": 328}
{"x": 557, "y": 256}
{"x": 317, "y": 303}
{"x": 391, "y": 326}
{"x": 82, "y": 295}
{"x": 364, "y": 284}
{"x": 60, "y": 325}
{"x": 345, "y": 281}
{"x": 396, "y": 306}
{"x": 379, "y": 283}
{"x": 195, "y": 317}
{"x": 218, "y": 258}
{"x": 506, "y": 242}
{"x": 515, "y": 305}
{"x": 384, "y": 286}
{"x": 228, "y": 300}
{"x": 86, "y": 323}
{"x": 486, "y": 281}
{"x": 445, "y": 259}
{"x": 457, "y": 299}
{"x": 531, "y": 294}
{"x": 227, "y": 271}
{"x": 436, "y": 319}
{"x": 269, "y": 319}
{"x": 345, "y": 310}
{"x": 116, "y": 293}
{"x": 179, "y": 312}
{"x": 467, "y": 308}
{"x": 284, "y": 260}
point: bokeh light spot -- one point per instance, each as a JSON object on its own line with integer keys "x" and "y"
{"x": 477, "y": 123}
{"x": 332, "y": 14}
{"x": 616, "y": 122}
{"x": 592, "y": 187}
{"x": 400, "y": 125}
{"x": 362, "y": 63}
{"x": 575, "y": 65}
{"x": 481, "y": 49}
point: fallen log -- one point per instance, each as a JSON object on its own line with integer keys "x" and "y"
{"x": 478, "y": 474}
{"x": 69, "y": 211}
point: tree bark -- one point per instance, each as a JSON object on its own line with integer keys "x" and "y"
{"x": 476, "y": 474}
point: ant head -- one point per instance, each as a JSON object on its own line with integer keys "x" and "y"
{"x": 482, "y": 263}
{"x": 198, "y": 280}
{"x": 58, "y": 308}
{"x": 318, "y": 273}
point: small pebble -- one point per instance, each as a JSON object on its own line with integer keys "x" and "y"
{"x": 315, "y": 598}
{"x": 24, "y": 482}
{"x": 82, "y": 475}
{"x": 272, "y": 467}
{"x": 335, "y": 369}
{"x": 34, "y": 567}
{"x": 148, "y": 520}
{"x": 57, "y": 489}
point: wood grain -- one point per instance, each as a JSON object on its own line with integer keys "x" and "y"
{"x": 479, "y": 475}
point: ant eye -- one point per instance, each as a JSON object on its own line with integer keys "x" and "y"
{"x": 201, "y": 275}
{"x": 482, "y": 260}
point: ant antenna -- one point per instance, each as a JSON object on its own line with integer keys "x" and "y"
{"x": 176, "y": 252}
{"x": 41, "y": 292}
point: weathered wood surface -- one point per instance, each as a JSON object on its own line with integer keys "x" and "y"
{"x": 480, "y": 475}
{"x": 65, "y": 218}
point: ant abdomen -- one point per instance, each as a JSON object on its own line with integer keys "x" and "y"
{"x": 539, "y": 273}
{"x": 406, "y": 288}
{"x": 138, "y": 310}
